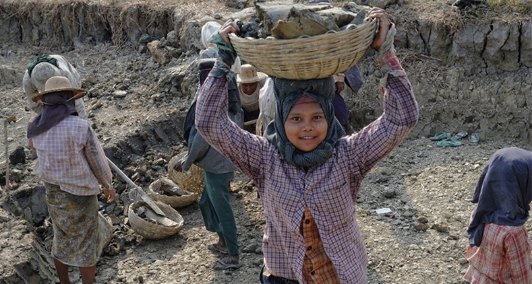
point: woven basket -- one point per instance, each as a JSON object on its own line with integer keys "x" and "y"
{"x": 191, "y": 180}
{"x": 158, "y": 191}
{"x": 150, "y": 230}
{"x": 307, "y": 58}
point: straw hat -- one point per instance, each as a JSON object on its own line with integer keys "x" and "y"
{"x": 59, "y": 84}
{"x": 249, "y": 74}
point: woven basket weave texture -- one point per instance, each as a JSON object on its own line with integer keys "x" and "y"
{"x": 150, "y": 230}
{"x": 191, "y": 180}
{"x": 155, "y": 191}
{"x": 307, "y": 58}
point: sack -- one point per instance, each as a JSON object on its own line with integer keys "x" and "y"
{"x": 189, "y": 122}
{"x": 205, "y": 65}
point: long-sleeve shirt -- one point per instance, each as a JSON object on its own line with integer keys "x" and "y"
{"x": 328, "y": 190}
{"x": 206, "y": 157}
{"x": 69, "y": 155}
{"x": 33, "y": 86}
{"x": 502, "y": 257}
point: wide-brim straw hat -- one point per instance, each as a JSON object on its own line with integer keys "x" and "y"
{"x": 249, "y": 74}
{"x": 59, "y": 84}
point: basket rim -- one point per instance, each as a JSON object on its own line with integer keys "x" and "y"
{"x": 303, "y": 58}
{"x": 174, "y": 201}
{"x": 365, "y": 25}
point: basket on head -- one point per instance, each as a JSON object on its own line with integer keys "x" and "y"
{"x": 151, "y": 230}
{"x": 165, "y": 190}
{"x": 191, "y": 180}
{"x": 307, "y": 58}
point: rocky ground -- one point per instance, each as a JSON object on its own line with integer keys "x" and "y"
{"x": 138, "y": 116}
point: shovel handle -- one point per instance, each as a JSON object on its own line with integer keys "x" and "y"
{"x": 143, "y": 195}
{"x": 125, "y": 177}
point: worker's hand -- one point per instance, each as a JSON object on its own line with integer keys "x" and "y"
{"x": 226, "y": 53}
{"x": 178, "y": 167}
{"x": 384, "y": 26}
{"x": 229, "y": 27}
{"x": 340, "y": 86}
{"x": 109, "y": 194}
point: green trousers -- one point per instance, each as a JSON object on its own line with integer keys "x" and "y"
{"x": 216, "y": 209}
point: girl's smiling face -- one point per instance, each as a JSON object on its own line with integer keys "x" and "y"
{"x": 306, "y": 126}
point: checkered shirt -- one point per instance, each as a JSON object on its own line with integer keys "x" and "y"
{"x": 502, "y": 257}
{"x": 69, "y": 155}
{"x": 328, "y": 190}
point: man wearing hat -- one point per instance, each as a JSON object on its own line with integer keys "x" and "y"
{"x": 45, "y": 67}
{"x": 72, "y": 165}
{"x": 250, "y": 82}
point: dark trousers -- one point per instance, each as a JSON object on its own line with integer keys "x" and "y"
{"x": 215, "y": 207}
{"x": 274, "y": 279}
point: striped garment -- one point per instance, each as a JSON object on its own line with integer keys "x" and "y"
{"x": 328, "y": 190}
{"x": 69, "y": 155}
{"x": 502, "y": 257}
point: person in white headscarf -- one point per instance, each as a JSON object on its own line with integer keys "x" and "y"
{"x": 43, "y": 68}
{"x": 207, "y": 30}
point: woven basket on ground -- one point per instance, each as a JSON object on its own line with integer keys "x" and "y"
{"x": 191, "y": 180}
{"x": 151, "y": 230}
{"x": 165, "y": 190}
{"x": 307, "y": 58}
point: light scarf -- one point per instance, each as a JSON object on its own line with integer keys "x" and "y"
{"x": 250, "y": 102}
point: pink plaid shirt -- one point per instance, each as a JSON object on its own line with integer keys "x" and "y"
{"x": 503, "y": 257}
{"x": 70, "y": 156}
{"x": 329, "y": 190}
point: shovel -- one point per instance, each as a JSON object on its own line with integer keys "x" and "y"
{"x": 6, "y": 122}
{"x": 143, "y": 195}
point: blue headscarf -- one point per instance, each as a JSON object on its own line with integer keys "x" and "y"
{"x": 503, "y": 192}
{"x": 287, "y": 92}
